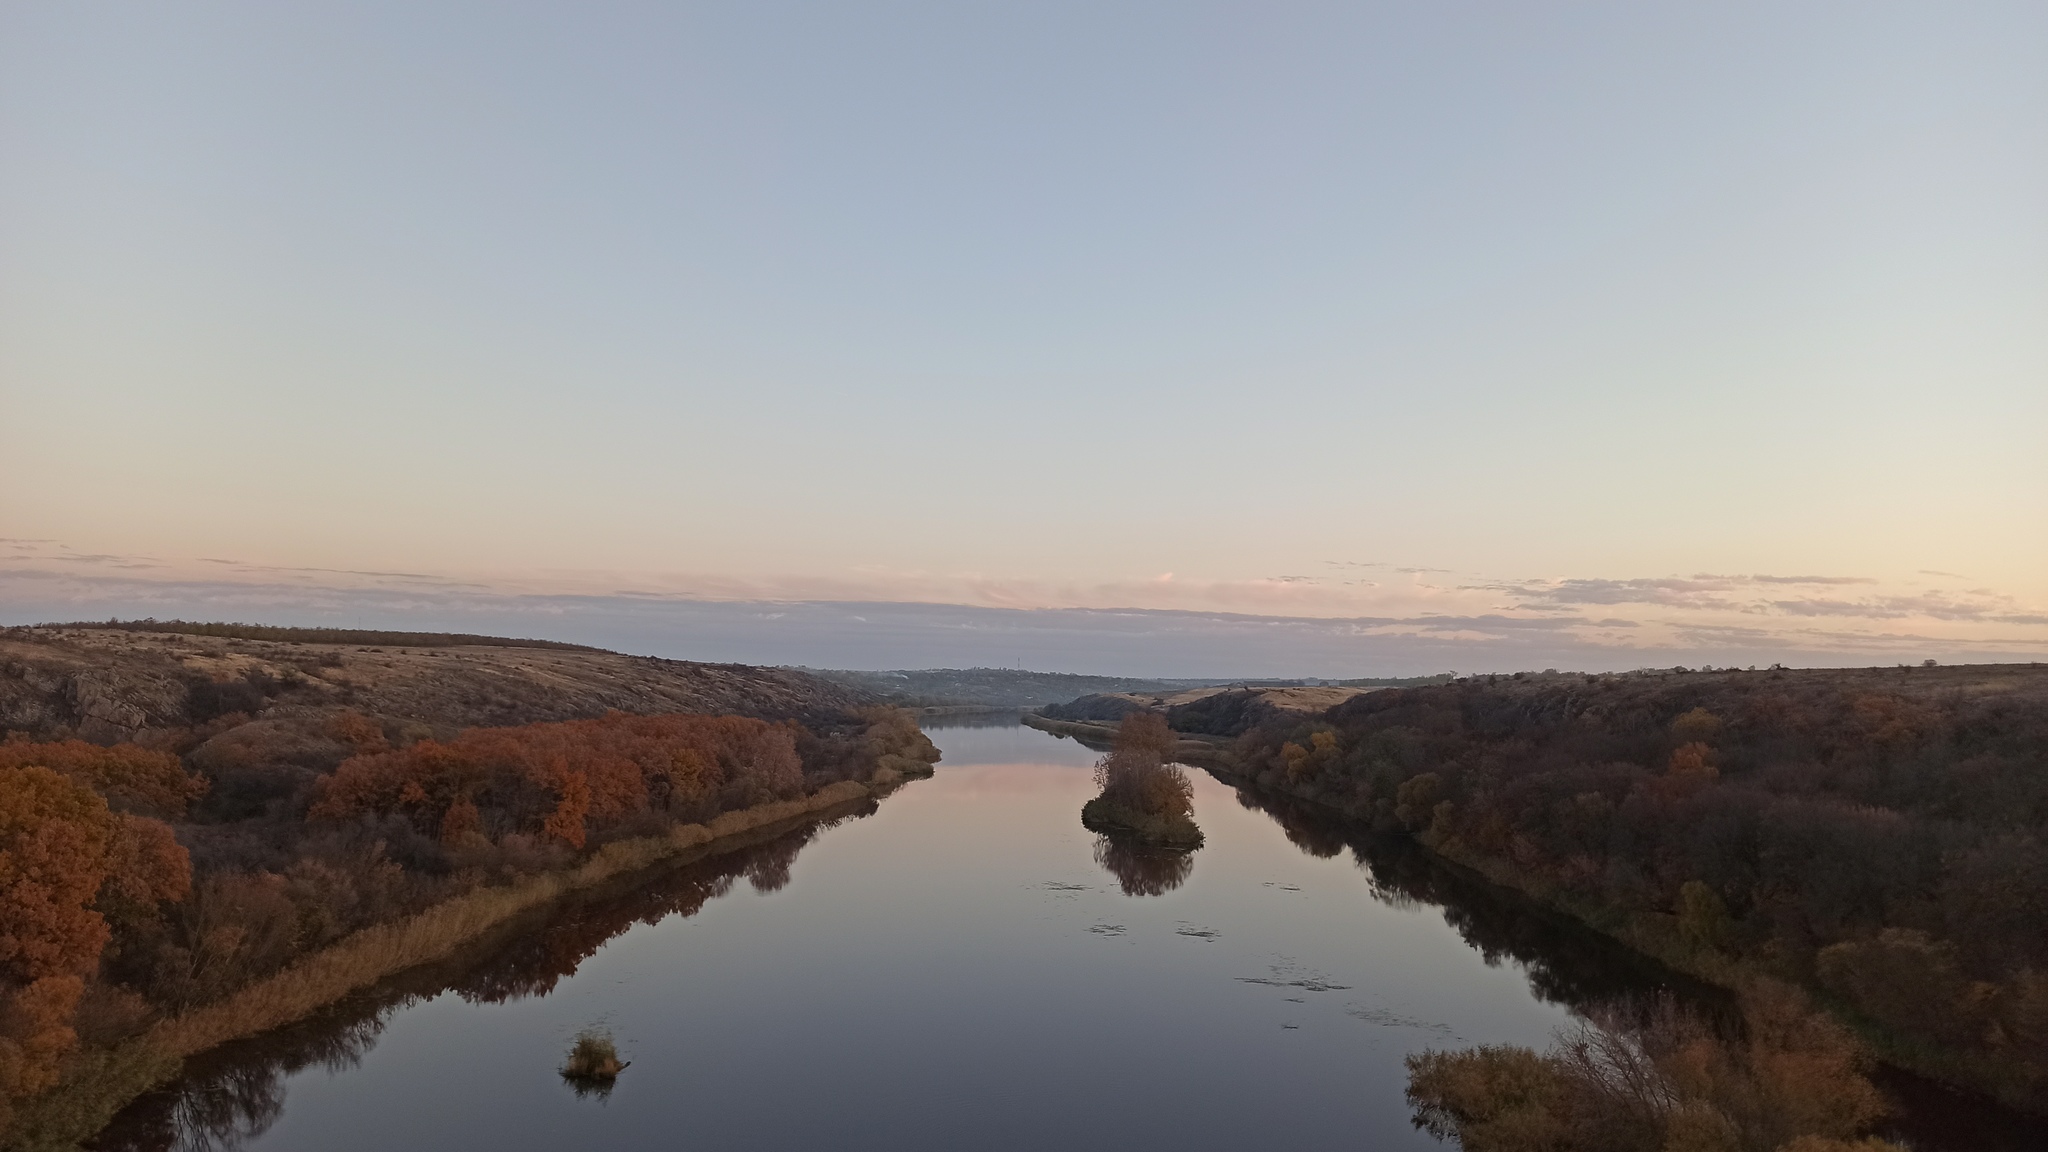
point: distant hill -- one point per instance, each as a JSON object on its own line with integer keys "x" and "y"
{"x": 283, "y": 634}
{"x": 1016, "y": 688}
{"x": 989, "y": 687}
{"x": 1218, "y": 710}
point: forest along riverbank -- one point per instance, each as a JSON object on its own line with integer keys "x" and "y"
{"x": 254, "y": 849}
{"x": 234, "y": 1092}
{"x": 104, "y": 1082}
{"x": 972, "y": 905}
{"x": 1295, "y": 958}
{"x": 100, "y": 1083}
{"x": 1926, "y": 1114}
{"x": 1868, "y": 834}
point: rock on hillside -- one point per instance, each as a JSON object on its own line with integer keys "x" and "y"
{"x": 107, "y": 684}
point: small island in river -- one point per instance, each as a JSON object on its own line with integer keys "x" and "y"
{"x": 1144, "y": 797}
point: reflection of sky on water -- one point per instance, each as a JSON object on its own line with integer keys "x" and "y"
{"x": 957, "y": 970}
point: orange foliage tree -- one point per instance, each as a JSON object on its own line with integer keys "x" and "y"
{"x": 1143, "y": 792}
{"x": 63, "y": 853}
{"x": 358, "y": 731}
{"x": 565, "y": 780}
{"x": 132, "y": 778}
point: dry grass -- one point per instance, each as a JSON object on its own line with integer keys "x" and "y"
{"x": 594, "y": 1056}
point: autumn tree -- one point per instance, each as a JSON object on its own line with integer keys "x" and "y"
{"x": 1142, "y": 793}
{"x": 567, "y": 781}
{"x": 64, "y": 853}
{"x": 131, "y": 778}
{"x": 1876, "y": 831}
{"x": 896, "y": 743}
{"x": 358, "y": 731}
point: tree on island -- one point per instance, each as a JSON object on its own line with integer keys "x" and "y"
{"x": 1144, "y": 795}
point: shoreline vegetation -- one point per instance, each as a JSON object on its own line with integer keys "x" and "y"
{"x": 207, "y": 832}
{"x": 1865, "y": 836}
{"x": 231, "y": 1094}
{"x": 1656, "y": 1077}
{"x": 100, "y": 1083}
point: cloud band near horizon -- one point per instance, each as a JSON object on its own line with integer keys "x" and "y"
{"x": 1414, "y": 621}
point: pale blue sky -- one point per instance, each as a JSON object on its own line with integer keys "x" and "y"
{"x": 1031, "y": 305}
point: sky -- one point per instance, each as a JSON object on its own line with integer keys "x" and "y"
{"x": 1165, "y": 339}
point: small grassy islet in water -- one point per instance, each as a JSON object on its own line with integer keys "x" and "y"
{"x": 593, "y": 1059}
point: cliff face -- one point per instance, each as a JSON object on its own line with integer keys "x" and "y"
{"x": 110, "y": 684}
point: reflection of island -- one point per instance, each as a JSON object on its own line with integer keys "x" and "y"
{"x": 1143, "y": 869}
{"x": 234, "y": 1093}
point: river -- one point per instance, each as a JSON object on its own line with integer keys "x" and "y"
{"x": 959, "y": 966}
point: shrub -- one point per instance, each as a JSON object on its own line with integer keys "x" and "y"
{"x": 1141, "y": 793}
{"x": 1660, "y": 1080}
{"x": 594, "y": 1056}
{"x": 1903, "y": 977}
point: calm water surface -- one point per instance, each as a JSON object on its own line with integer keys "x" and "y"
{"x": 953, "y": 969}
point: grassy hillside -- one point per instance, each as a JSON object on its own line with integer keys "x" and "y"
{"x": 105, "y": 683}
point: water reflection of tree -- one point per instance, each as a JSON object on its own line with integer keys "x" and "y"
{"x": 1142, "y": 869}
{"x": 769, "y": 869}
{"x": 599, "y": 1090}
{"x": 1566, "y": 962}
{"x": 1569, "y": 964}
{"x": 223, "y": 1111}
{"x": 536, "y": 961}
{"x": 230, "y": 1097}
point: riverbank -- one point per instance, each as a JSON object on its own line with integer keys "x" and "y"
{"x": 1657, "y": 937}
{"x": 100, "y": 1083}
{"x": 1201, "y": 751}
{"x": 1660, "y": 940}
